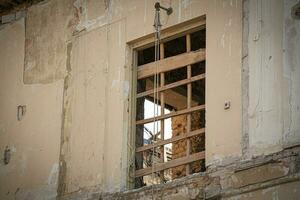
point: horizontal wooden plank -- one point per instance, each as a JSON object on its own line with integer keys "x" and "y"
{"x": 170, "y": 33}
{"x": 171, "y": 140}
{"x": 170, "y": 164}
{"x": 172, "y": 85}
{"x": 171, "y": 114}
{"x": 170, "y": 63}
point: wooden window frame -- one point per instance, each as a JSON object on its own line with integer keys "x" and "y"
{"x": 167, "y": 64}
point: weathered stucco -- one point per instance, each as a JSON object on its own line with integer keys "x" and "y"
{"x": 113, "y": 28}
{"x": 291, "y": 76}
{"x": 273, "y": 90}
{"x": 32, "y": 172}
{"x": 49, "y": 26}
{"x": 70, "y": 64}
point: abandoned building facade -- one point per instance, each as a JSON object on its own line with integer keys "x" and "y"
{"x": 129, "y": 99}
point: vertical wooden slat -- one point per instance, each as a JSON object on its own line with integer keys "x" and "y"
{"x": 189, "y": 97}
{"x": 162, "y": 104}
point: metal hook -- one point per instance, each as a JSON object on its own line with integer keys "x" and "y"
{"x": 168, "y": 10}
{"x": 157, "y": 23}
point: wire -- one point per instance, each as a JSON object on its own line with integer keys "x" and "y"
{"x": 157, "y": 26}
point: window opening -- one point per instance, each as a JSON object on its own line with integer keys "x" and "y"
{"x": 176, "y": 147}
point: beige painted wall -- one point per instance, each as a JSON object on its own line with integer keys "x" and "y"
{"x": 273, "y": 112}
{"x": 265, "y": 72}
{"x": 291, "y": 76}
{"x": 34, "y": 141}
{"x": 97, "y": 88}
{"x": 121, "y": 24}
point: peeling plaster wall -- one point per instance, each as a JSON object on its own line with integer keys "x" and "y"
{"x": 285, "y": 191}
{"x": 76, "y": 55}
{"x": 80, "y": 47}
{"x": 265, "y": 76}
{"x": 273, "y": 95}
{"x": 291, "y": 76}
{"x": 32, "y": 172}
{"x": 121, "y": 22}
{"x": 49, "y": 26}
{"x": 85, "y": 114}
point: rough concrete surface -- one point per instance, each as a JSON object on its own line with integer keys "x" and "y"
{"x": 70, "y": 63}
{"x": 32, "y": 172}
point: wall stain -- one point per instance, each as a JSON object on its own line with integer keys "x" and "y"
{"x": 65, "y": 134}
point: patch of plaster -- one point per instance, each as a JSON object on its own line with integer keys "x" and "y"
{"x": 23, "y": 164}
{"x": 245, "y": 81}
{"x": 126, "y": 88}
{"x": 64, "y": 143}
{"x": 89, "y": 20}
{"x": 2, "y": 129}
{"x": 45, "y": 49}
{"x": 53, "y": 176}
{"x": 42, "y": 192}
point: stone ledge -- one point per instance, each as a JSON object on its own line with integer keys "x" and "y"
{"x": 225, "y": 182}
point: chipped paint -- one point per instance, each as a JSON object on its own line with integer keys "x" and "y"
{"x": 79, "y": 91}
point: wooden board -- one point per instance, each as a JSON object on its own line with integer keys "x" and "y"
{"x": 171, "y": 140}
{"x": 170, "y": 63}
{"x": 170, "y": 33}
{"x": 172, "y": 85}
{"x": 173, "y": 163}
{"x": 171, "y": 114}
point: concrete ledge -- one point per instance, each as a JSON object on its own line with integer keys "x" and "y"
{"x": 256, "y": 176}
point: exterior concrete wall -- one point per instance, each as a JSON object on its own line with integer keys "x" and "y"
{"x": 265, "y": 76}
{"x": 107, "y": 33}
{"x": 285, "y": 191}
{"x": 273, "y": 72}
{"x": 48, "y": 26}
{"x": 291, "y": 76}
{"x": 77, "y": 63}
{"x": 265, "y": 177}
{"x": 124, "y": 18}
{"x": 85, "y": 90}
{"x": 32, "y": 172}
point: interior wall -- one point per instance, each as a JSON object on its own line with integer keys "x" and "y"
{"x": 32, "y": 171}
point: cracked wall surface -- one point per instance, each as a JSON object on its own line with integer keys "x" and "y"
{"x": 49, "y": 26}
{"x": 105, "y": 32}
{"x": 291, "y": 76}
{"x": 273, "y": 104}
{"x": 32, "y": 172}
{"x": 69, "y": 62}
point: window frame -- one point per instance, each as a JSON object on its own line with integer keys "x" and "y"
{"x": 167, "y": 34}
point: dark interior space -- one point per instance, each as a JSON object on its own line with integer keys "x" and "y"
{"x": 175, "y": 47}
{"x": 198, "y": 40}
{"x": 175, "y": 99}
